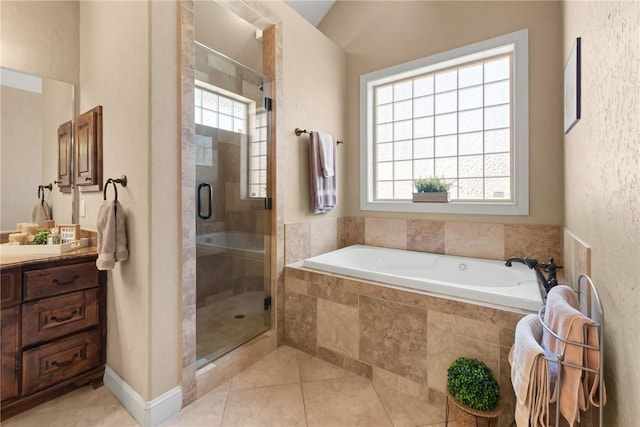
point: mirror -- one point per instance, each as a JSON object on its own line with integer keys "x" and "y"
{"x": 33, "y": 109}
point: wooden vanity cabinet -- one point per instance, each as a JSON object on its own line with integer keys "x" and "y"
{"x": 53, "y": 331}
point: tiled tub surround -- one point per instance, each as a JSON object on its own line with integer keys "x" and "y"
{"x": 470, "y": 239}
{"x": 398, "y": 338}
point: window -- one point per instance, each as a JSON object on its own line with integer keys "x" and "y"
{"x": 461, "y": 115}
{"x": 219, "y": 111}
{"x": 258, "y": 158}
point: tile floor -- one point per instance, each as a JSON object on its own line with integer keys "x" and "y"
{"x": 286, "y": 388}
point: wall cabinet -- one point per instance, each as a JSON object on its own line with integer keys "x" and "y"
{"x": 88, "y": 175}
{"x": 65, "y": 136}
{"x": 53, "y": 331}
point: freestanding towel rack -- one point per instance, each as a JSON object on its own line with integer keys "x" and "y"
{"x": 591, "y": 306}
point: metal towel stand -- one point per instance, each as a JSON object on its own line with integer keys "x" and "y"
{"x": 591, "y": 306}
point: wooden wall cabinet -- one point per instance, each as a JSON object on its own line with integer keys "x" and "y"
{"x": 88, "y": 174}
{"x": 53, "y": 331}
{"x": 65, "y": 137}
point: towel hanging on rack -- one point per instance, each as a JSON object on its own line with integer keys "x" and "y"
{"x": 322, "y": 187}
{"x": 112, "y": 231}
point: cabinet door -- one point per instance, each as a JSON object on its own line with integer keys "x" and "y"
{"x": 9, "y": 319}
{"x": 89, "y": 150}
{"x": 64, "y": 156}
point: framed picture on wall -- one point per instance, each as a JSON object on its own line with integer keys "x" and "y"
{"x": 572, "y": 88}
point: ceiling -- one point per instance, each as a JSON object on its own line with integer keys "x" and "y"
{"x": 311, "y": 10}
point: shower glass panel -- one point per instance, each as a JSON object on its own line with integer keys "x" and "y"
{"x": 232, "y": 222}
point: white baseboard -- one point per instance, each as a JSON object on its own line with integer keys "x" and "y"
{"x": 147, "y": 414}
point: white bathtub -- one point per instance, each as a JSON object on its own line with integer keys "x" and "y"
{"x": 481, "y": 280}
{"x": 230, "y": 241}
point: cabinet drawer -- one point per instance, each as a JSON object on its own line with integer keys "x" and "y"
{"x": 54, "y": 317}
{"x": 51, "y": 363}
{"x": 10, "y": 289}
{"x": 58, "y": 280}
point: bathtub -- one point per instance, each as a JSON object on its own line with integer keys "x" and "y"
{"x": 479, "y": 280}
{"x": 232, "y": 242}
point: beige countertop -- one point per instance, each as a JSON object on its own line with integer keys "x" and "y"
{"x": 15, "y": 260}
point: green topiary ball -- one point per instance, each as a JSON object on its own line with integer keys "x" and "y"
{"x": 472, "y": 383}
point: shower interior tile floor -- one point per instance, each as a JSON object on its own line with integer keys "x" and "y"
{"x": 286, "y": 388}
{"x": 224, "y": 324}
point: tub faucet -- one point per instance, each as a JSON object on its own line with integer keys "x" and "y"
{"x": 550, "y": 268}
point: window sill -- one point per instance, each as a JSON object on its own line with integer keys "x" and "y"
{"x": 484, "y": 208}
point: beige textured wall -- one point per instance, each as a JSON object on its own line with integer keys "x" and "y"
{"x": 119, "y": 42}
{"x": 379, "y": 34}
{"x": 41, "y": 37}
{"x": 602, "y": 183}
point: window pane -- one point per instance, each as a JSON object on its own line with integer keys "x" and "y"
{"x": 470, "y": 167}
{"x": 423, "y": 86}
{"x": 254, "y": 176}
{"x": 263, "y": 148}
{"x": 384, "y": 133}
{"x": 470, "y": 189}
{"x": 446, "y": 124}
{"x": 385, "y": 171}
{"x": 446, "y": 102}
{"x": 496, "y": 70}
{"x": 423, "y": 127}
{"x": 254, "y": 163}
{"x": 384, "y": 94}
{"x": 497, "y": 140}
{"x": 239, "y": 109}
{"x": 453, "y": 188}
{"x": 384, "y": 113}
{"x": 496, "y": 93}
{"x": 402, "y": 190}
{"x": 470, "y": 76}
{"x": 239, "y": 126}
{"x": 470, "y": 121}
{"x": 497, "y": 165}
{"x": 497, "y": 188}
{"x": 446, "y": 81}
{"x": 254, "y": 190}
{"x": 262, "y": 134}
{"x": 402, "y": 150}
{"x": 402, "y": 170}
{"x": 446, "y": 146}
{"x": 198, "y": 97}
{"x": 447, "y": 167}
{"x": 402, "y": 90}
{"x": 209, "y": 118}
{"x": 225, "y": 106}
{"x": 254, "y": 149}
{"x": 422, "y": 168}
{"x": 384, "y": 190}
{"x": 496, "y": 117}
{"x": 470, "y": 143}
{"x": 209, "y": 100}
{"x": 402, "y": 110}
{"x": 470, "y": 98}
{"x": 423, "y": 148}
{"x": 402, "y": 130}
{"x": 225, "y": 122}
{"x": 423, "y": 106}
{"x": 384, "y": 152}
{"x": 198, "y": 118}
{"x": 263, "y": 162}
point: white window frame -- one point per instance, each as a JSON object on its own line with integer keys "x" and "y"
{"x": 517, "y": 43}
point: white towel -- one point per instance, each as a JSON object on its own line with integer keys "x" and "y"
{"x": 41, "y": 212}
{"x": 112, "y": 235}
{"x": 322, "y": 188}
{"x": 327, "y": 147}
{"x": 530, "y": 374}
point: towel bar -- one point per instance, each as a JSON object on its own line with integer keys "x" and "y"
{"x": 299, "y": 132}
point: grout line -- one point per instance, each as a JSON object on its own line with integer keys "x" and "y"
{"x": 381, "y": 402}
{"x": 304, "y": 405}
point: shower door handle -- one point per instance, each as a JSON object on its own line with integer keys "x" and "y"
{"x": 201, "y": 214}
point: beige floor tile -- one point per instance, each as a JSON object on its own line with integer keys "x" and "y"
{"x": 406, "y": 411}
{"x": 278, "y": 367}
{"x": 314, "y": 369}
{"x": 279, "y": 405}
{"x": 343, "y": 402}
{"x": 206, "y": 411}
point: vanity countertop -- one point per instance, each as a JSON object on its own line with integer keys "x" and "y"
{"x": 15, "y": 260}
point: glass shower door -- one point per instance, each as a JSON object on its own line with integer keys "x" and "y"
{"x": 232, "y": 219}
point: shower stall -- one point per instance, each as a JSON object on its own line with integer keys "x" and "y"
{"x": 232, "y": 122}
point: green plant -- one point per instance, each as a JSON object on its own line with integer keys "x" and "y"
{"x": 431, "y": 185}
{"x": 40, "y": 238}
{"x": 472, "y": 383}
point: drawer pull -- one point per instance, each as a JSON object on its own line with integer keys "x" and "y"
{"x": 67, "y": 282}
{"x": 61, "y": 365}
{"x": 64, "y": 319}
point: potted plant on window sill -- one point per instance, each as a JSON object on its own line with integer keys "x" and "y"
{"x": 431, "y": 190}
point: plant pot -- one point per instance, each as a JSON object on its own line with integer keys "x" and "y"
{"x": 436, "y": 197}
